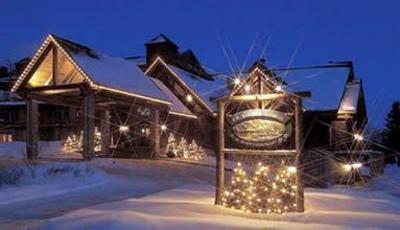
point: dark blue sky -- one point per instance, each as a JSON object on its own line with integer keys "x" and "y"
{"x": 367, "y": 32}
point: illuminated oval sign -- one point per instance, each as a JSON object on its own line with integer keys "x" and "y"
{"x": 260, "y": 127}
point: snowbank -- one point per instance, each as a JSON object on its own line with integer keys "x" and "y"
{"x": 26, "y": 182}
{"x": 17, "y": 149}
{"x": 388, "y": 182}
{"x": 191, "y": 207}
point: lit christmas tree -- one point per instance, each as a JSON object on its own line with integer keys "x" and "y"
{"x": 74, "y": 144}
{"x": 262, "y": 188}
{"x": 97, "y": 140}
{"x": 240, "y": 194}
{"x": 171, "y": 148}
{"x": 201, "y": 152}
{"x": 194, "y": 151}
{"x": 183, "y": 150}
{"x": 283, "y": 195}
{"x": 264, "y": 192}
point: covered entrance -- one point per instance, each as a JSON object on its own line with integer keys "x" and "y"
{"x": 108, "y": 94}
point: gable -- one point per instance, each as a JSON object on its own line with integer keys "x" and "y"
{"x": 258, "y": 81}
{"x": 62, "y": 62}
{"x": 66, "y": 72}
{"x": 43, "y": 75}
{"x": 55, "y": 69}
{"x": 188, "y": 83}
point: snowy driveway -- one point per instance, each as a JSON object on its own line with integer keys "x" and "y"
{"x": 127, "y": 179}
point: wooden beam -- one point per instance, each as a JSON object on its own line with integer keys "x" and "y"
{"x": 55, "y": 99}
{"x": 53, "y": 87}
{"x": 88, "y": 130}
{"x": 105, "y": 132}
{"x": 156, "y": 133}
{"x": 220, "y": 154}
{"x": 32, "y": 129}
{"x": 279, "y": 152}
{"x": 262, "y": 97}
{"x": 299, "y": 146}
{"x": 55, "y": 66}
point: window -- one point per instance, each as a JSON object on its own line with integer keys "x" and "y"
{"x": 43, "y": 75}
{"x": 67, "y": 73}
{"x": 145, "y": 134}
{"x": 6, "y": 117}
{"x": 6, "y": 137}
{"x": 60, "y": 113}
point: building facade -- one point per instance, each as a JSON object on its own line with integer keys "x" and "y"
{"x": 137, "y": 102}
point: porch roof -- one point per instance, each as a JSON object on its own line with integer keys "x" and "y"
{"x": 101, "y": 71}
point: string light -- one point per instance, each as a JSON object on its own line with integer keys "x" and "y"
{"x": 292, "y": 169}
{"x": 353, "y": 166}
{"x": 358, "y": 137}
{"x": 251, "y": 193}
{"x": 160, "y": 60}
{"x": 247, "y": 88}
{"x": 347, "y": 167}
{"x": 163, "y": 127}
{"x": 236, "y": 81}
{"x": 356, "y": 165}
{"x": 279, "y": 88}
{"x": 123, "y": 129}
{"x": 189, "y": 98}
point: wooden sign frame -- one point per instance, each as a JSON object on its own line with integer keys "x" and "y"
{"x": 222, "y": 151}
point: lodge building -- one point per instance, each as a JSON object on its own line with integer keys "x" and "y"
{"x": 136, "y": 102}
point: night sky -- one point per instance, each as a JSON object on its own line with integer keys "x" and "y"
{"x": 299, "y": 33}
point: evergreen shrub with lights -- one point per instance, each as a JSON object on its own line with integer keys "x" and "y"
{"x": 75, "y": 144}
{"x": 183, "y": 149}
{"x": 269, "y": 189}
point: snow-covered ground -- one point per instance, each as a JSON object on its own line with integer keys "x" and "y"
{"x": 35, "y": 181}
{"x": 191, "y": 207}
{"x": 47, "y": 149}
{"x": 148, "y": 194}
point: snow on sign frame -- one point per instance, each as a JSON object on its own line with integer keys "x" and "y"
{"x": 260, "y": 127}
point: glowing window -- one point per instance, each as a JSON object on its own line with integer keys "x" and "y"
{"x": 43, "y": 75}
{"x": 66, "y": 71}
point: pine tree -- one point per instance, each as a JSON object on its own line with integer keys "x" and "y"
{"x": 391, "y": 134}
{"x": 97, "y": 140}
{"x": 262, "y": 189}
{"x": 202, "y": 152}
{"x": 275, "y": 189}
{"x": 183, "y": 150}
{"x": 193, "y": 151}
{"x": 240, "y": 194}
{"x": 171, "y": 148}
{"x": 73, "y": 144}
{"x": 283, "y": 190}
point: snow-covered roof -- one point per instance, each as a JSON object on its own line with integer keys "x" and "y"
{"x": 326, "y": 85}
{"x": 177, "y": 105}
{"x": 139, "y": 60}
{"x": 161, "y": 38}
{"x": 205, "y": 89}
{"x": 112, "y": 72}
{"x": 350, "y": 98}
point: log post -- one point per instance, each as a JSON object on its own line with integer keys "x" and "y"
{"x": 32, "y": 129}
{"x": 88, "y": 130}
{"x": 156, "y": 134}
{"x": 105, "y": 132}
{"x": 299, "y": 147}
{"x": 220, "y": 154}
